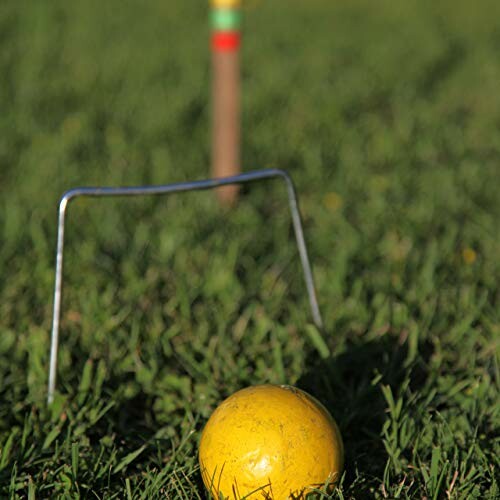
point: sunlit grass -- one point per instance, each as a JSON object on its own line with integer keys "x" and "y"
{"x": 386, "y": 116}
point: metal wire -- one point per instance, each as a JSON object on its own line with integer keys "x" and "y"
{"x": 161, "y": 190}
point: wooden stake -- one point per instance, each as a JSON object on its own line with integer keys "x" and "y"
{"x": 226, "y": 95}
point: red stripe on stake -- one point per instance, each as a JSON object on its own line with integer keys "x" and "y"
{"x": 226, "y": 40}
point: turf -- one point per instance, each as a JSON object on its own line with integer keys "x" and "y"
{"x": 387, "y": 115}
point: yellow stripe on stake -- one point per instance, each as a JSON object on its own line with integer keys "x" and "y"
{"x": 218, "y": 4}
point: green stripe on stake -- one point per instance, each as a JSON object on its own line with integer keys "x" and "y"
{"x": 226, "y": 19}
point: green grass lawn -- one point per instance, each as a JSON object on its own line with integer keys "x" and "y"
{"x": 386, "y": 114}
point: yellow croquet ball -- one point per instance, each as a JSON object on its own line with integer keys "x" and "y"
{"x": 270, "y": 442}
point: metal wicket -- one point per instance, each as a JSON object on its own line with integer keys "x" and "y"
{"x": 244, "y": 178}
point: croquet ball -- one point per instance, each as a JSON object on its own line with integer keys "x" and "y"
{"x": 270, "y": 441}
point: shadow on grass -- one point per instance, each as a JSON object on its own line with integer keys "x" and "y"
{"x": 349, "y": 386}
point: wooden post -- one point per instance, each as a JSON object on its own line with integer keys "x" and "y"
{"x": 226, "y": 20}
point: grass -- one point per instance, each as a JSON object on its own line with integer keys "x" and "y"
{"x": 387, "y": 117}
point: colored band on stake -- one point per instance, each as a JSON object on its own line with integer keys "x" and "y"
{"x": 225, "y": 19}
{"x": 221, "y": 4}
{"x": 225, "y": 41}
